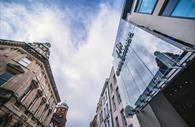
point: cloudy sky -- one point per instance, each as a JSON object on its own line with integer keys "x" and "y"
{"x": 82, "y": 35}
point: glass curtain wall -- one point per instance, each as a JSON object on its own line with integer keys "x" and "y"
{"x": 142, "y": 63}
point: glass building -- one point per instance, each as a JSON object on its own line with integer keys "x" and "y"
{"x": 154, "y": 62}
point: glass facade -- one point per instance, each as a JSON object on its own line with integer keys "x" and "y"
{"x": 143, "y": 63}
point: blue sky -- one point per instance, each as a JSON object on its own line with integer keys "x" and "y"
{"x": 82, "y": 35}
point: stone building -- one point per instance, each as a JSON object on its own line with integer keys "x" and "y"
{"x": 59, "y": 117}
{"x": 28, "y": 93}
{"x": 103, "y": 111}
{"x": 99, "y": 113}
{"x": 117, "y": 106}
{"x": 110, "y": 110}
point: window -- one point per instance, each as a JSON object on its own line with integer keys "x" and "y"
{"x": 17, "y": 104}
{"x": 25, "y": 61}
{"x": 146, "y": 6}
{"x": 123, "y": 118}
{"x": 26, "y": 93}
{"x": 114, "y": 105}
{"x": 101, "y": 116}
{"x": 104, "y": 113}
{"x": 108, "y": 123}
{"x": 118, "y": 95}
{"x": 179, "y": 8}
{"x": 111, "y": 87}
{"x": 5, "y": 76}
{"x": 105, "y": 95}
{"x": 185, "y": 8}
{"x": 114, "y": 79}
{"x": 39, "y": 76}
{"x": 26, "y": 112}
{"x": 116, "y": 122}
{"x": 107, "y": 109}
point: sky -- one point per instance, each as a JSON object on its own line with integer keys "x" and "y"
{"x": 82, "y": 35}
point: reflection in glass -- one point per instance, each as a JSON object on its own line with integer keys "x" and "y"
{"x": 148, "y": 61}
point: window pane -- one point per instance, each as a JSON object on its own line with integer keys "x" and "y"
{"x": 6, "y": 75}
{"x": 147, "y": 6}
{"x": 26, "y": 60}
{"x": 185, "y": 8}
{"x": 23, "y": 63}
{"x": 2, "y": 81}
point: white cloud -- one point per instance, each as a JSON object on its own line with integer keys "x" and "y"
{"x": 79, "y": 71}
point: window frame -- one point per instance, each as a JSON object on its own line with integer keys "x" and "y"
{"x": 138, "y": 6}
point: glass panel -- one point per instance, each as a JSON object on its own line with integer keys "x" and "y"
{"x": 185, "y": 8}
{"x": 6, "y": 75}
{"x": 147, "y": 61}
{"x": 25, "y": 62}
{"x": 147, "y": 6}
{"x": 2, "y": 81}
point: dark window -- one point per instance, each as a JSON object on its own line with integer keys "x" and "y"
{"x": 107, "y": 109}
{"x": 101, "y": 116}
{"x": 146, "y": 6}
{"x": 123, "y": 118}
{"x": 5, "y": 76}
{"x": 179, "y": 8}
{"x": 104, "y": 113}
{"x": 26, "y": 112}
{"x": 116, "y": 121}
{"x": 108, "y": 123}
{"x": 118, "y": 95}
{"x": 17, "y": 104}
{"x": 111, "y": 87}
{"x": 105, "y": 96}
{"x": 114, "y": 79}
{"x": 26, "y": 93}
{"x": 114, "y": 105}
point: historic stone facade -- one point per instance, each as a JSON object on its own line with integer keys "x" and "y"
{"x": 110, "y": 107}
{"x": 59, "y": 117}
{"x": 28, "y": 94}
{"x": 94, "y": 122}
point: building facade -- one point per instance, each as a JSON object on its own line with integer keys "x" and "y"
{"x": 103, "y": 116}
{"x": 99, "y": 113}
{"x": 154, "y": 61}
{"x": 94, "y": 122}
{"x": 28, "y": 93}
{"x": 118, "y": 112}
{"x": 59, "y": 117}
{"x": 106, "y": 110}
{"x": 110, "y": 110}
